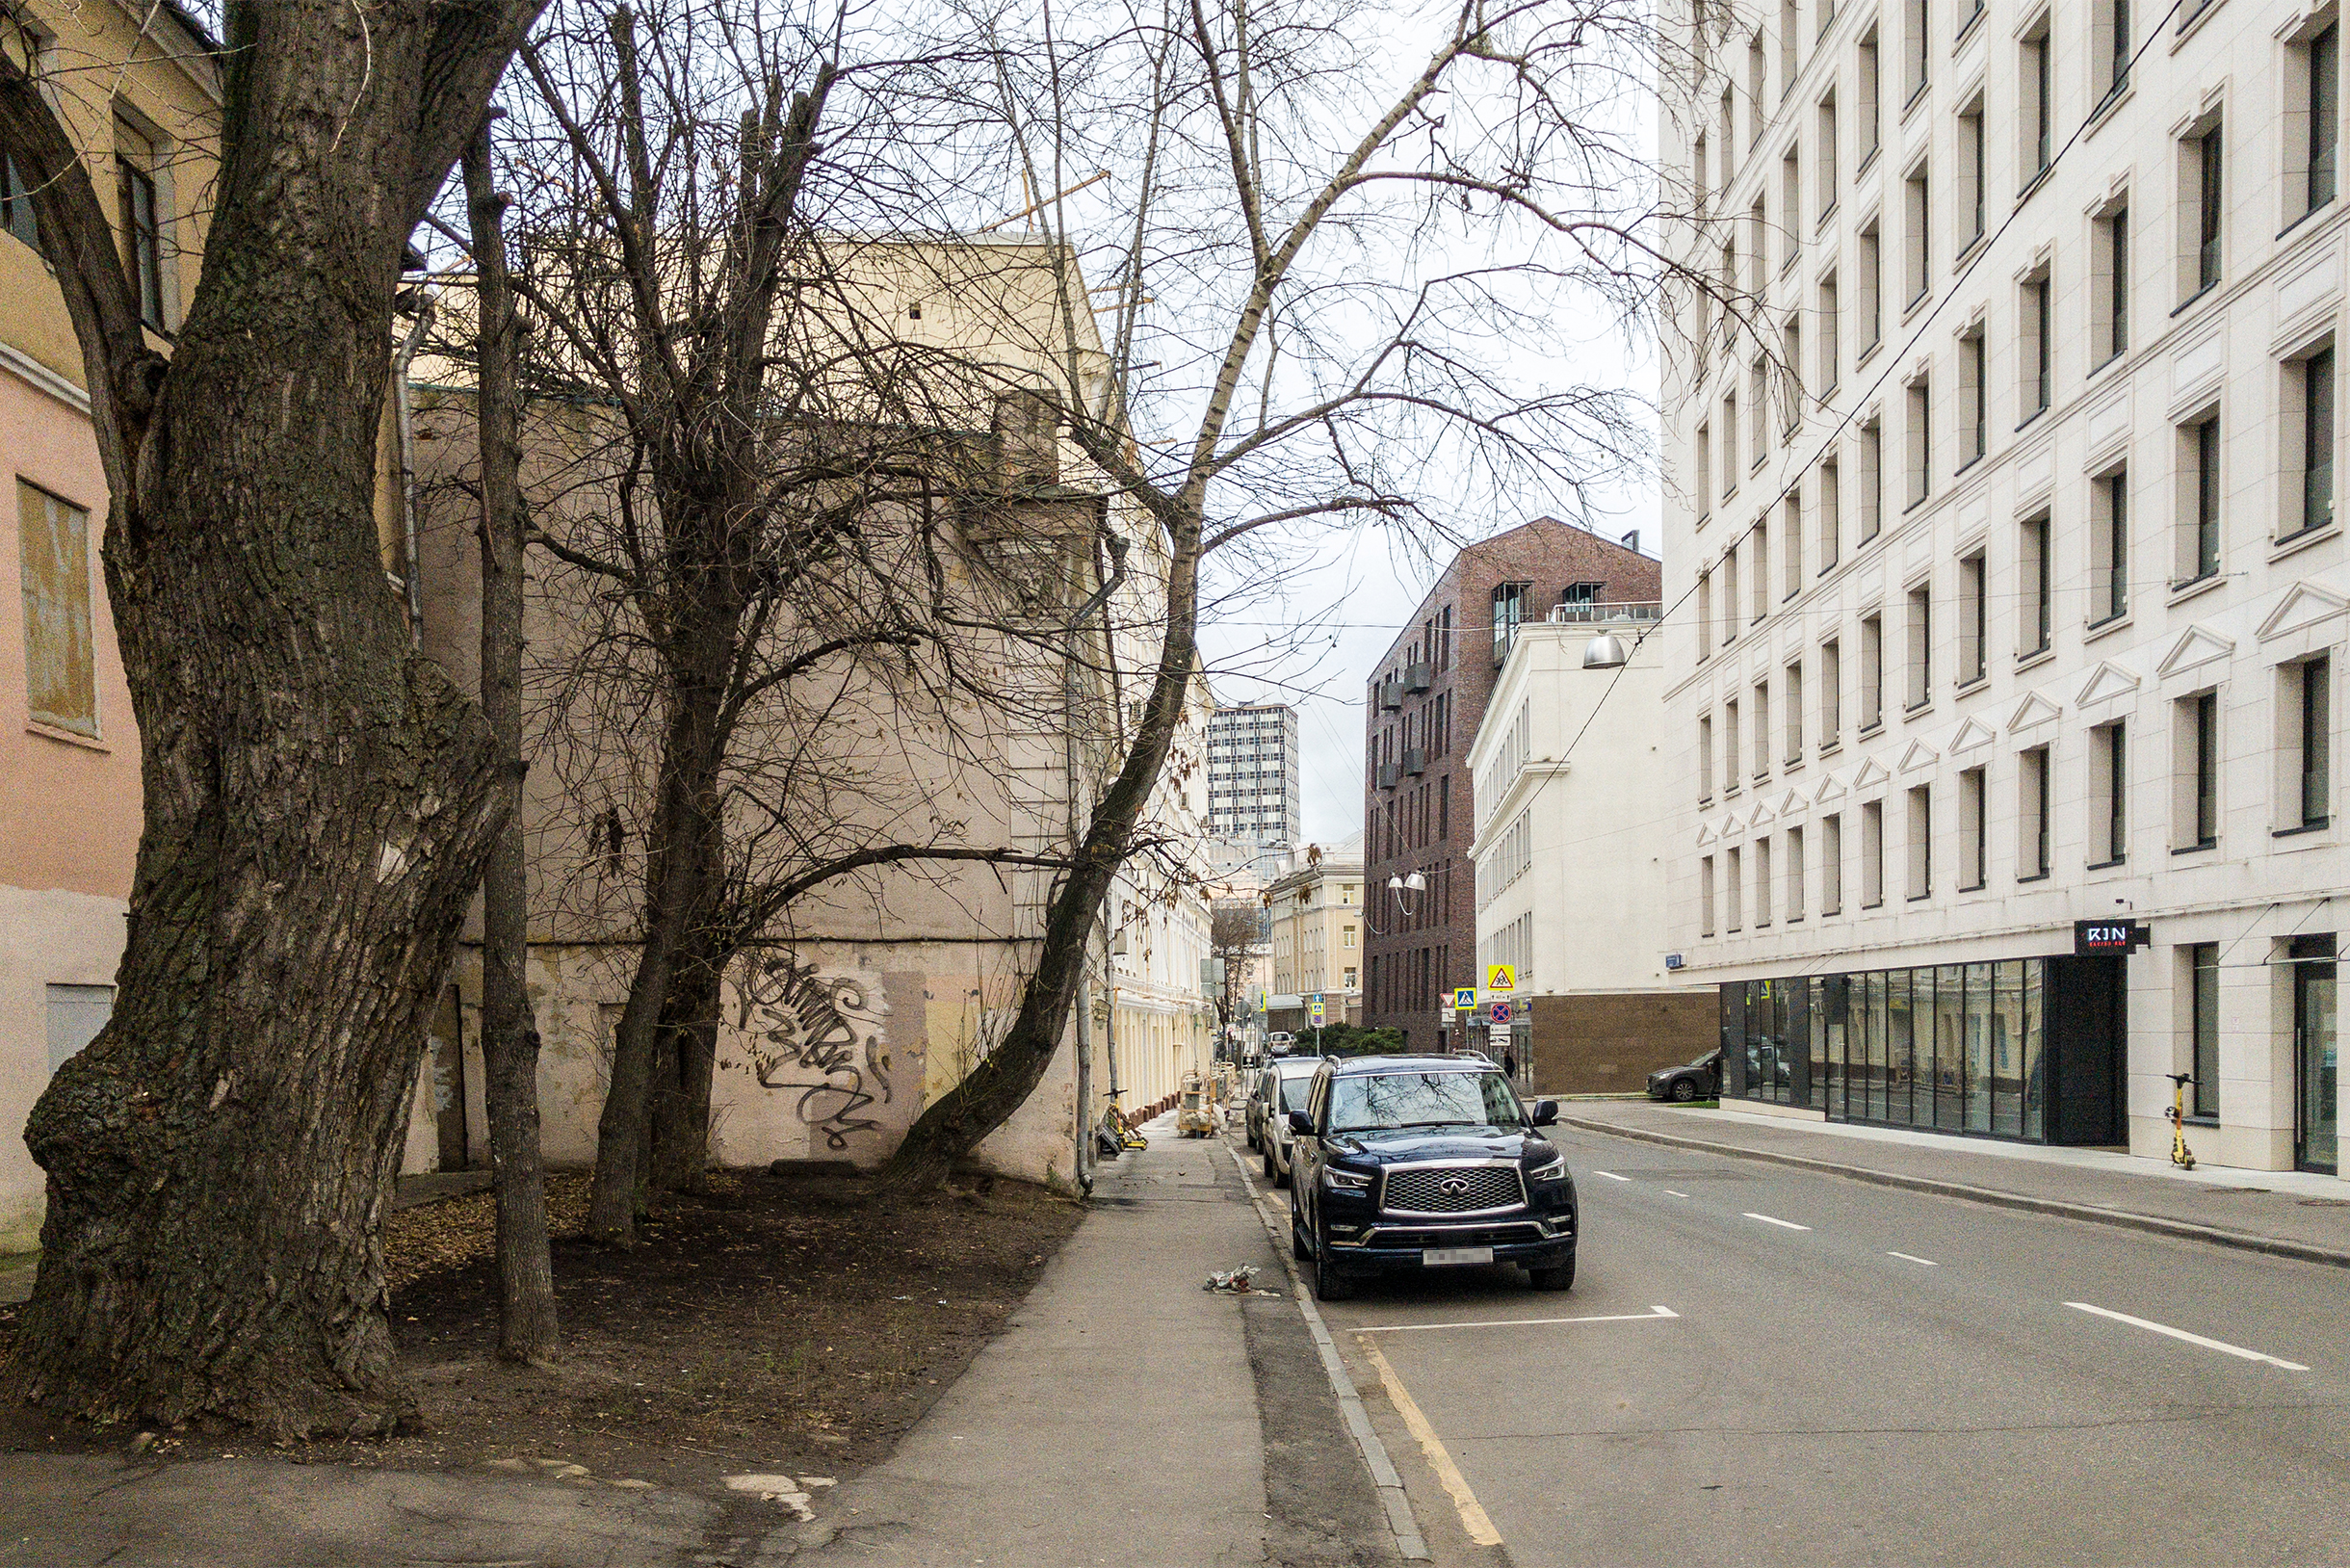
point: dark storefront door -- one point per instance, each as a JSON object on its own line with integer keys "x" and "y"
{"x": 2088, "y": 1050}
{"x": 2317, "y": 1110}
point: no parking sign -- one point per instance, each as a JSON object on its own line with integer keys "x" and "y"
{"x": 1501, "y": 1013}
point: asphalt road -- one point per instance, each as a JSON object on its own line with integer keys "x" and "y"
{"x": 1857, "y": 1375}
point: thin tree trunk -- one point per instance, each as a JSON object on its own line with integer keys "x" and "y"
{"x": 510, "y": 1035}
{"x": 689, "y": 1059}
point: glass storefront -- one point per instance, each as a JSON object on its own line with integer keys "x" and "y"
{"x": 1961, "y": 1048}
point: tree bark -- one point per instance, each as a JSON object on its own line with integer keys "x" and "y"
{"x": 318, "y": 799}
{"x": 527, "y": 1329}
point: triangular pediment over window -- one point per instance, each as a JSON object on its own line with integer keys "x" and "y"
{"x": 1831, "y": 788}
{"x": 2304, "y": 605}
{"x": 1969, "y": 735}
{"x": 2198, "y": 646}
{"x": 1870, "y": 772}
{"x": 1705, "y": 833}
{"x": 1762, "y": 813}
{"x": 1916, "y": 755}
{"x": 2106, "y": 682}
{"x": 2033, "y": 711}
{"x": 1791, "y": 800}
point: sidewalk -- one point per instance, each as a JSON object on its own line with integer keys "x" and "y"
{"x": 1123, "y": 1415}
{"x": 2283, "y": 1212}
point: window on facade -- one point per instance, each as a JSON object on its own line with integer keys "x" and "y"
{"x": 1704, "y": 465}
{"x": 1916, "y": 216}
{"x": 1705, "y": 896}
{"x": 1872, "y": 854}
{"x": 1974, "y": 616}
{"x": 2109, "y": 547}
{"x": 1823, "y": 156}
{"x": 1791, "y": 380}
{"x": 60, "y": 681}
{"x": 1763, "y": 882}
{"x": 1971, "y": 170}
{"x": 142, "y": 233}
{"x": 1791, "y": 208}
{"x": 2313, "y": 380}
{"x": 1791, "y": 544}
{"x": 2039, "y": 343}
{"x": 1757, "y": 401}
{"x": 1921, "y": 664}
{"x": 2109, "y": 793}
{"x": 1917, "y": 449}
{"x": 1758, "y": 556}
{"x": 1792, "y": 685}
{"x": 2034, "y": 811}
{"x": 1972, "y": 427}
{"x": 1831, "y": 693}
{"x": 1729, "y": 595}
{"x": 1729, "y": 144}
{"x": 1697, "y": 187}
{"x": 2196, "y": 753}
{"x": 1872, "y": 127}
{"x": 2312, "y": 116}
{"x": 1705, "y": 615}
{"x": 2109, "y": 47}
{"x": 1787, "y": 41}
{"x": 2109, "y": 284}
{"x": 1832, "y": 864}
{"x": 1758, "y": 71}
{"x": 2202, "y": 1024}
{"x": 1830, "y": 368}
{"x": 2199, "y": 493}
{"x": 1732, "y": 893}
{"x": 2204, "y": 170}
{"x": 1870, "y": 494}
{"x": 1730, "y": 444}
{"x": 2307, "y": 742}
{"x": 1872, "y": 673}
{"x": 1831, "y": 524}
{"x": 1730, "y": 747}
{"x": 1917, "y": 49}
{"x": 2034, "y": 565}
{"x": 1872, "y": 273}
{"x": 2038, "y": 110}
{"x": 1974, "y": 830}
{"x": 1921, "y": 846}
{"x": 16, "y": 214}
{"x": 1762, "y": 720}
{"x": 1705, "y": 758}
{"x": 1795, "y": 873}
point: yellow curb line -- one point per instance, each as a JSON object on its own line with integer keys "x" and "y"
{"x": 1472, "y": 1513}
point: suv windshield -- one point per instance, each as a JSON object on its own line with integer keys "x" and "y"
{"x": 1433, "y": 1099}
{"x": 1295, "y": 1088}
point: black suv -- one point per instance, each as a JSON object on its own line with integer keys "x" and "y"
{"x": 1414, "y": 1163}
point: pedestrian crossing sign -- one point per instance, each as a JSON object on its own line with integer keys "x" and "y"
{"x": 1501, "y": 976}
{"x": 1314, "y": 1011}
{"x": 1464, "y": 998}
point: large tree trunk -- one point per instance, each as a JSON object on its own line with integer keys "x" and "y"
{"x": 510, "y": 1034}
{"x": 689, "y": 1061}
{"x": 318, "y": 798}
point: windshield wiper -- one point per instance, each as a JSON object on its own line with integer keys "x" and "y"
{"x": 1452, "y": 1122}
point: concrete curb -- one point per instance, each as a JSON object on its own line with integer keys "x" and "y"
{"x": 2275, "y": 1246}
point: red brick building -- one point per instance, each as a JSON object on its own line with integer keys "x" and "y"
{"x": 1425, "y": 699}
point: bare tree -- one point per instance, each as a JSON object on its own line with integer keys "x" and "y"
{"x": 510, "y": 1035}
{"x": 1333, "y": 261}
{"x": 318, "y": 801}
{"x": 1236, "y": 937}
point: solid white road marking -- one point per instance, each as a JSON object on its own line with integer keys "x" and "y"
{"x": 1912, "y": 1257}
{"x": 2181, "y": 1334}
{"x": 1670, "y": 1192}
{"x": 1768, "y": 1220}
{"x": 1651, "y": 1316}
{"x": 1611, "y": 1175}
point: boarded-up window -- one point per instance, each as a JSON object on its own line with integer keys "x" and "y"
{"x": 76, "y": 1014}
{"x": 60, "y": 685}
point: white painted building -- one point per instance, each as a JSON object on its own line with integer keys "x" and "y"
{"x": 1253, "y": 784}
{"x": 1571, "y": 774}
{"x": 2005, "y": 575}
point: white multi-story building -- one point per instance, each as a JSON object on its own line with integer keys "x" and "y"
{"x": 1570, "y": 851}
{"x": 2005, "y": 572}
{"x": 1253, "y": 793}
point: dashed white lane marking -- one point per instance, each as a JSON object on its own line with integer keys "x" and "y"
{"x": 1768, "y": 1220}
{"x": 1669, "y": 1192}
{"x": 1912, "y": 1257}
{"x": 2221, "y": 1346}
{"x": 1652, "y": 1316}
{"x": 1611, "y": 1175}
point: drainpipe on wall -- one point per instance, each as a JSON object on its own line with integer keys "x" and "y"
{"x": 1069, "y": 763}
{"x": 405, "y": 425}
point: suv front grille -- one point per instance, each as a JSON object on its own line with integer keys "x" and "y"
{"x": 1452, "y": 1190}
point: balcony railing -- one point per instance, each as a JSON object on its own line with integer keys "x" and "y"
{"x": 1582, "y": 614}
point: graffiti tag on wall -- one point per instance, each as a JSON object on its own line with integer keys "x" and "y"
{"x": 820, "y": 1034}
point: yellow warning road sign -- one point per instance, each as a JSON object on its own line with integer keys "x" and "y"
{"x": 1501, "y": 976}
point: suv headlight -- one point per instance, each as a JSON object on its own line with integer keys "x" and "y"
{"x": 1345, "y": 1181}
{"x": 1554, "y": 1171}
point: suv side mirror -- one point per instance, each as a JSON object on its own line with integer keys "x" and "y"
{"x": 1301, "y": 1123}
{"x": 1546, "y": 1112}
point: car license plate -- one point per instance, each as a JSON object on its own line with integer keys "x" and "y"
{"x": 1434, "y": 1256}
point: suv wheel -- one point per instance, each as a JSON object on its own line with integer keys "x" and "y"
{"x": 1559, "y": 1278}
{"x": 1299, "y": 1248}
{"x": 1685, "y": 1088}
{"x": 1329, "y": 1285}
{"x": 1282, "y": 1175}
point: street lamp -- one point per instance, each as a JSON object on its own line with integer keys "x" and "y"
{"x": 1606, "y": 651}
{"x": 1401, "y": 885}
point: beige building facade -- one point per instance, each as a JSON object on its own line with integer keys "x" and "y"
{"x": 2008, "y": 584}
{"x": 1317, "y": 926}
{"x": 70, "y": 792}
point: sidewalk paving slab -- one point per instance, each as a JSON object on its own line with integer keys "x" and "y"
{"x": 2286, "y": 1213}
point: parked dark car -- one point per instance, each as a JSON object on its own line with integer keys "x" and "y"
{"x": 1699, "y": 1079}
{"x": 1406, "y": 1164}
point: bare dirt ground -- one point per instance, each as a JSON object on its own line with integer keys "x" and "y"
{"x": 796, "y": 1325}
